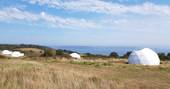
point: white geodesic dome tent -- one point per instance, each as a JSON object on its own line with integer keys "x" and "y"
{"x": 6, "y": 52}
{"x": 145, "y": 56}
{"x": 75, "y": 55}
{"x": 12, "y": 53}
{"x": 17, "y": 54}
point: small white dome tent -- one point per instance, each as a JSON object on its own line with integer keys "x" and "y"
{"x": 6, "y": 52}
{"x": 17, "y": 54}
{"x": 145, "y": 56}
{"x": 75, "y": 55}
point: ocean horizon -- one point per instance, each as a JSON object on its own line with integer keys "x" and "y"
{"x": 106, "y": 50}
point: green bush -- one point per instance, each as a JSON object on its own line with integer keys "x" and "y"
{"x": 59, "y": 52}
{"x": 162, "y": 56}
{"x": 49, "y": 52}
{"x": 82, "y": 62}
{"x": 89, "y": 55}
{"x": 126, "y": 55}
{"x": 168, "y": 56}
{"x": 114, "y": 54}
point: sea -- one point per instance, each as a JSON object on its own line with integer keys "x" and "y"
{"x": 102, "y": 50}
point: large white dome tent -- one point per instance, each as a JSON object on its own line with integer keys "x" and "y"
{"x": 145, "y": 56}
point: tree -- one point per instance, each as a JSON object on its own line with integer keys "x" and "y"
{"x": 114, "y": 54}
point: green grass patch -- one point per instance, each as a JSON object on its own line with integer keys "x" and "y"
{"x": 165, "y": 69}
{"x": 96, "y": 64}
{"x": 82, "y": 62}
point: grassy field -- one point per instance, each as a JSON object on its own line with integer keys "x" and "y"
{"x": 53, "y": 74}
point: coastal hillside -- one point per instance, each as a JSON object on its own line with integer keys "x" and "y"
{"x": 15, "y": 46}
{"x": 35, "y": 50}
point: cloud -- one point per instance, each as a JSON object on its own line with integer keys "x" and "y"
{"x": 64, "y": 22}
{"x": 148, "y": 25}
{"x": 15, "y": 14}
{"x": 99, "y": 6}
{"x": 125, "y": 24}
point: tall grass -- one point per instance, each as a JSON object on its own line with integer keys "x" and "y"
{"x": 35, "y": 76}
{"x": 19, "y": 74}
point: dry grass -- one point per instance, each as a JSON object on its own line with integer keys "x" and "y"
{"x": 28, "y": 49}
{"x": 21, "y": 74}
{"x": 31, "y": 52}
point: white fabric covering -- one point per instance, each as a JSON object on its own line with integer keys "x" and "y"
{"x": 75, "y": 55}
{"x": 145, "y": 56}
{"x": 17, "y": 54}
{"x": 6, "y": 52}
{"x": 12, "y": 54}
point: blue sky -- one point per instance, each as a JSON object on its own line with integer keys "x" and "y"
{"x": 85, "y": 22}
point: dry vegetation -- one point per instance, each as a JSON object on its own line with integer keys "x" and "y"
{"x": 31, "y": 52}
{"x": 30, "y": 49}
{"x": 52, "y": 74}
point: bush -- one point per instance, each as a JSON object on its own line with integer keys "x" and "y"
{"x": 162, "y": 56}
{"x": 89, "y": 55}
{"x": 114, "y": 54}
{"x": 59, "y": 52}
{"x": 168, "y": 55}
{"x": 49, "y": 52}
{"x": 127, "y": 54}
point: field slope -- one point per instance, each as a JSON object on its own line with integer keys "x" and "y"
{"x": 22, "y": 74}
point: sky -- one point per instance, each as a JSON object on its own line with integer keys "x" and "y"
{"x": 85, "y": 22}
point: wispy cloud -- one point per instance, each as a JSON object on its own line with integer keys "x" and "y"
{"x": 99, "y": 6}
{"x": 16, "y": 14}
{"x": 147, "y": 24}
{"x": 8, "y": 14}
{"x": 64, "y": 22}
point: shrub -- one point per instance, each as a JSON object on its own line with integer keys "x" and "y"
{"x": 59, "y": 52}
{"x": 127, "y": 54}
{"x": 168, "y": 56}
{"x": 162, "y": 56}
{"x": 89, "y": 55}
{"x": 82, "y": 62}
{"x": 114, "y": 54}
{"x": 49, "y": 52}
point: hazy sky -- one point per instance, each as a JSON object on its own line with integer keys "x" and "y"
{"x": 85, "y": 22}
